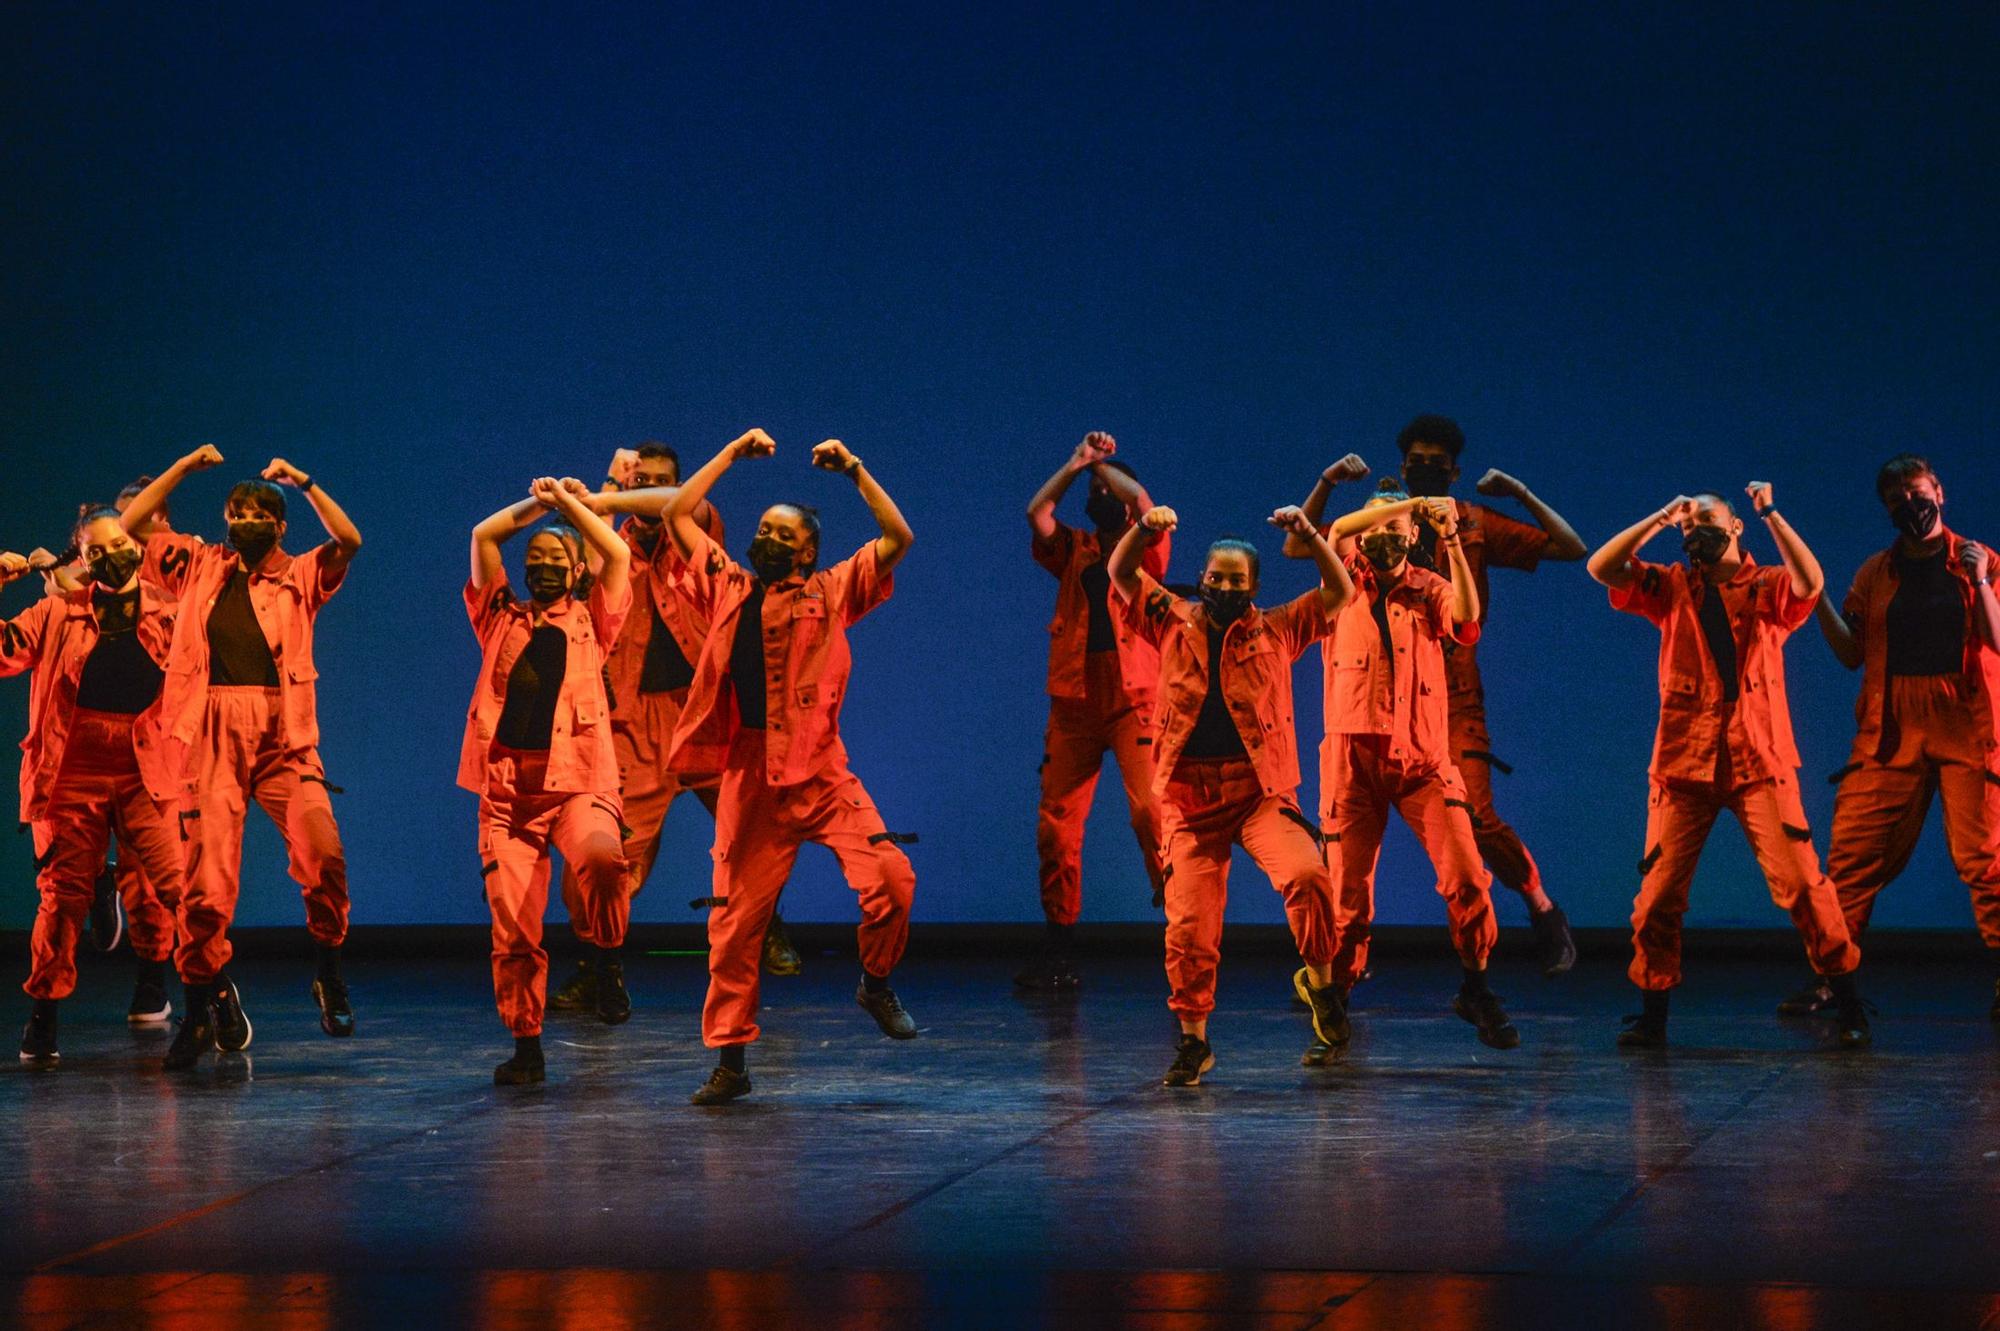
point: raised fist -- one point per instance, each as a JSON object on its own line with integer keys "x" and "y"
{"x": 1497, "y": 482}
{"x": 283, "y": 472}
{"x": 754, "y": 444}
{"x": 832, "y": 456}
{"x": 208, "y": 455}
{"x": 1293, "y": 519}
{"x": 1161, "y": 518}
{"x": 1096, "y": 446}
{"x": 1349, "y": 468}
{"x": 1760, "y": 495}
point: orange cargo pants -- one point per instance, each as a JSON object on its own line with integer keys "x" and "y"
{"x": 1932, "y": 746}
{"x": 1679, "y": 815}
{"x": 758, "y": 831}
{"x": 98, "y": 790}
{"x": 1499, "y": 844}
{"x": 1210, "y": 806}
{"x": 149, "y": 919}
{"x": 1359, "y": 785}
{"x": 1080, "y": 731}
{"x": 241, "y": 757}
{"x": 520, "y": 821}
{"x": 647, "y": 792}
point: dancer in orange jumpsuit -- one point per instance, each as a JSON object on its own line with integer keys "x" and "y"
{"x": 241, "y": 716}
{"x": 124, "y": 900}
{"x": 650, "y": 668}
{"x": 538, "y": 752}
{"x": 1431, "y": 447}
{"x": 1102, "y": 680}
{"x": 764, "y": 714}
{"x": 1226, "y": 766}
{"x": 1387, "y": 742}
{"x": 93, "y": 759}
{"x": 1922, "y": 624}
{"x": 1725, "y": 739}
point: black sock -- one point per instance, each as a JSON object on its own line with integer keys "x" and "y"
{"x": 607, "y": 956}
{"x": 528, "y": 1048}
{"x": 1061, "y": 936}
{"x": 45, "y": 1008}
{"x": 153, "y": 972}
{"x": 1475, "y": 981}
{"x": 732, "y": 1056}
{"x": 1656, "y": 1001}
{"x": 197, "y": 998}
{"x": 329, "y": 963}
{"x": 874, "y": 984}
{"x": 1842, "y": 986}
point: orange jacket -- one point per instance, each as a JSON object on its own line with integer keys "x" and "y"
{"x": 1367, "y": 693}
{"x": 1694, "y": 718}
{"x": 1867, "y": 612}
{"x": 53, "y": 638}
{"x": 806, "y": 663}
{"x": 653, "y": 577}
{"x": 1067, "y": 554}
{"x": 286, "y": 593}
{"x": 581, "y": 757}
{"x": 1257, "y": 655}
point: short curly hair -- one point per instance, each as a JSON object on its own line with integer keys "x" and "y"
{"x": 1433, "y": 429}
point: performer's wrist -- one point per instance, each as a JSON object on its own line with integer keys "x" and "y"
{"x": 1768, "y": 512}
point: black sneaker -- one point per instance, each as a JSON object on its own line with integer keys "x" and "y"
{"x": 1810, "y": 1001}
{"x": 1850, "y": 1013}
{"x": 232, "y": 1027}
{"x": 1482, "y": 1008}
{"x": 150, "y": 1006}
{"x": 614, "y": 1005}
{"x": 1192, "y": 1057}
{"x": 1643, "y": 1030}
{"x": 780, "y": 957}
{"x": 38, "y": 1039}
{"x": 526, "y": 1066}
{"x": 107, "y": 913}
{"x": 578, "y": 992}
{"x": 1319, "y": 1054}
{"x": 1555, "y": 950}
{"x": 1328, "y": 1007}
{"x": 336, "y": 1018}
{"x": 721, "y": 1087}
{"x": 196, "y": 1035}
{"x": 1050, "y": 972}
{"x": 888, "y": 1011}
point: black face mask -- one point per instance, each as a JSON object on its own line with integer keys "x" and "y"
{"x": 770, "y": 559}
{"x": 1105, "y": 511}
{"x": 1705, "y": 545}
{"x": 547, "y": 583}
{"x": 1423, "y": 477}
{"x": 1385, "y": 549}
{"x": 114, "y": 568}
{"x": 1225, "y": 605}
{"x": 1915, "y": 517}
{"x": 253, "y": 539}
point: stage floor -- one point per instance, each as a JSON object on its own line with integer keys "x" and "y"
{"x": 1018, "y": 1164}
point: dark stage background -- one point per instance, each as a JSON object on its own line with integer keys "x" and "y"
{"x": 1635, "y": 249}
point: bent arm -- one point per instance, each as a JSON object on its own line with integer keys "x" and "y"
{"x": 1807, "y": 579}
{"x": 614, "y": 557}
{"x": 896, "y": 537}
{"x": 1565, "y": 546}
{"x": 1612, "y": 564}
{"x": 1839, "y": 634}
{"x": 496, "y": 529}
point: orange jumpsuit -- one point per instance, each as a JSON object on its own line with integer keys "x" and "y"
{"x": 1387, "y": 746}
{"x": 1490, "y": 540}
{"x": 1098, "y": 700}
{"x": 1918, "y": 735}
{"x": 1209, "y": 805}
{"x": 86, "y": 773}
{"x": 1711, "y": 754}
{"x": 229, "y": 744}
{"x": 642, "y": 719}
{"x": 788, "y": 783}
{"x": 564, "y": 796}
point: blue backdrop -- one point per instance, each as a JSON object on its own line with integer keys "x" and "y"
{"x": 428, "y": 255}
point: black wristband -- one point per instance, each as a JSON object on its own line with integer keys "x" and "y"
{"x": 1768, "y": 512}
{"x": 307, "y": 484}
